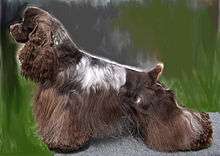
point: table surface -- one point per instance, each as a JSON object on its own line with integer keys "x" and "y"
{"x": 129, "y": 146}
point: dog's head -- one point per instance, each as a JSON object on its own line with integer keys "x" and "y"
{"x": 166, "y": 125}
{"x": 31, "y": 17}
{"x": 41, "y": 33}
{"x": 38, "y": 26}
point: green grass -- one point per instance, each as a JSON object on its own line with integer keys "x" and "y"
{"x": 18, "y": 130}
{"x": 200, "y": 89}
{"x": 173, "y": 31}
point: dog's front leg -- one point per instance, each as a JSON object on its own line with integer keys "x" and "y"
{"x": 63, "y": 134}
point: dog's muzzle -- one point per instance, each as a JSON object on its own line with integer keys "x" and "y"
{"x": 18, "y": 33}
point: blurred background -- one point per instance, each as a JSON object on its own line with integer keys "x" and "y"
{"x": 183, "y": 34}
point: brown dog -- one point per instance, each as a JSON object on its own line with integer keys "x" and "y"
{"x": 81, "y": 96}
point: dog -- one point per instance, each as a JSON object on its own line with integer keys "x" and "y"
{"x": 81, "y": 97}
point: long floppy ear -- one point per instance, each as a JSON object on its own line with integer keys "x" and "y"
{"x": 155, "y": 73}
{"x": 40, "y": 65}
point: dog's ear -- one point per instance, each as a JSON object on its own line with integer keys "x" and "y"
{"x": 40, "y": 65}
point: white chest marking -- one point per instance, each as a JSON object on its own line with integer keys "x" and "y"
{"x": 94, "y": 76}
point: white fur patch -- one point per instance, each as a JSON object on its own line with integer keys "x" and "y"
{"x": 94, "y": 76}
